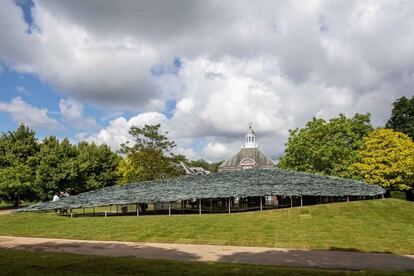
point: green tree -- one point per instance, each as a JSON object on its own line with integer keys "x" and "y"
{"x": 402, "y": 117}
{"x": 386, "y": 158}
{"x": 326, "y": 147}
{"x": 57, "y": 169}
{"x": 150, "y": 157}
{"x": 212, "y": 167}
{"x": 97, "y": 166}
{"x": 74, "y": 168}
{"x": 17, "y": 164}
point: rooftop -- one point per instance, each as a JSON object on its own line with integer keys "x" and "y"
{"x": 240, "y": 183}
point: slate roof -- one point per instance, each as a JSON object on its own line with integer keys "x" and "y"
{"x": 262, "y": 161}
{"x": 242, "y": 183}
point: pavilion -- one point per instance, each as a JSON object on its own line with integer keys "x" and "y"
{"x": 229, "y": 191}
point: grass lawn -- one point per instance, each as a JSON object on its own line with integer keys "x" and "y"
{"x": 39, "y": 263}
{"x": 369, "y": 226}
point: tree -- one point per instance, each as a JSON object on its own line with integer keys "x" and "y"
{"x": 402, "y": 117}
{"x": 150, "y": 157}
{"x": 57, "y": 169}
{"x": 97, "y": 166}
{"x": 326, "y": 147}
{"x": 74, "y": 168}
{"x": 17, "y": 164}
{"x": 16, "y": 184}
{"x": 212, "y": 167}
{"x": 386, "y": 158}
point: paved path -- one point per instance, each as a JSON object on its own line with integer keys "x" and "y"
{"x": 5, "y": 212}
{"x": 216, "y": 253}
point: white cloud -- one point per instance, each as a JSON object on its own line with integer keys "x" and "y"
{"x": 22, "y": 112}
{"x": 72, "y": 112}
{"x": 117, "y": 132}
{"x": 22, "y": 90}
{"x": 275, "y": 64}
{"x": 217, "y": 151}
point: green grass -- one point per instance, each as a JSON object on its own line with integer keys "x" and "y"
{"x": 368, "y": 226}
{"x": 39, "y": 263}
{"x": 398, "y": 194}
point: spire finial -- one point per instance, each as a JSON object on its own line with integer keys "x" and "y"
{"x": 250, "y": 141}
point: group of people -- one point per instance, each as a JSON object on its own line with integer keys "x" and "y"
{"x": 60, "y": 195}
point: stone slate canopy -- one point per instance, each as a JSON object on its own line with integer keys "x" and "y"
{"x": 240, "y": 183}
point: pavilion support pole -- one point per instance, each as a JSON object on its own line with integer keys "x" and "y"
{"x": 106, "y": 215}
{"x": 137, "y": 209}
{"x": 291, "y": 202}
{"x": 229, "y": 206}
{"x": 347, "y": 198}
{"x": 199, "y": 206}
{"x": 261, "y": 203}
{"x": 169, "y": 209}
{"x": 71, "y": 214}
{"x": 301, "y": 201}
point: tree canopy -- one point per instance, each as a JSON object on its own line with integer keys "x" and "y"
{"x": 212, "y": 167}
{"x": 149, "y": 156}
{"x": 386, "y": 158}
{"x": 326, "y": 147}
{"x": 30, "y": 169}
{"x": 402, "y": 117}
{"x": 17, "y": 164}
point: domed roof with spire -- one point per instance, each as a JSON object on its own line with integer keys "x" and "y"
{"x": 249, "y": 156}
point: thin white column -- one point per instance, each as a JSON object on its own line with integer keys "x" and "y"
{"x": 137, "y": 209}
{"x": 229, "y": 206}
{"x": 169, "y": 209}
{"x": 347, "y": 198}
{"x": 291, "y": 202}
{"x": 301, "y": 202}
{"x": 261, "y": 203}
{"x": 199, "y": 206}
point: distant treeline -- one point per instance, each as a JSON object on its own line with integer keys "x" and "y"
{"x": 346, "y": 147}
{"x": 35, "y": 170}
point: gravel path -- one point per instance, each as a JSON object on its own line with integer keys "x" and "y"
{"x": 217, "y": 253}
{"x": 5, "y": 212}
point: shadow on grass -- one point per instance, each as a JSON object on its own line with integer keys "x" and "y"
{"x": 110, "y": 249}
{"x": 357, "y": 250}
{"x": 282, "y": 258}
{"x": 341, "y": 260}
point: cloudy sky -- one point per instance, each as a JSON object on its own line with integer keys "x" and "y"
{"x": 88, "y": 70}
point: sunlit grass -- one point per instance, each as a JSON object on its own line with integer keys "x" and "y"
{"x": 369, "y": 226}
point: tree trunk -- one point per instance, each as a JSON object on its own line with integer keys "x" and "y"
{"x": 409, "y": 195}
